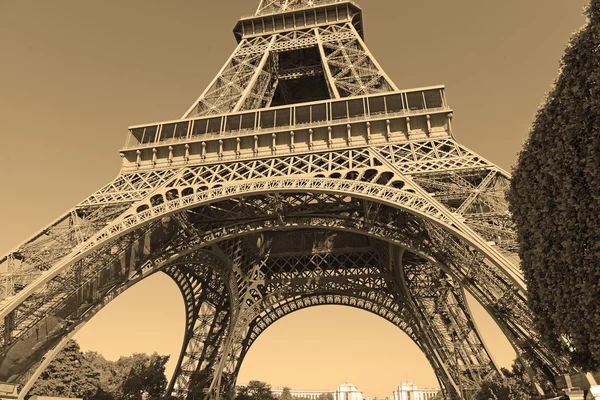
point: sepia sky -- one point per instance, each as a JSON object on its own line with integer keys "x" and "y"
{"x": 74, "y": 74}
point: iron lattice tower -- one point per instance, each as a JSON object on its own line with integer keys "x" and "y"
{"x": 302, "y": 176}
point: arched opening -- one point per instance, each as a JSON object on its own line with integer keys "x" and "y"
{"x": 369, "y": 175}
{"x": 384, "y": 178}
{"x": 187, "y": 192}
{"x": 148, "y": 317}
{"x": 280, "y": 221}
{"x": 320, "y": 347}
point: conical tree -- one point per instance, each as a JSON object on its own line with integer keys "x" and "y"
{"x": 286, "y": 394}
{"x": 555, "y": 201}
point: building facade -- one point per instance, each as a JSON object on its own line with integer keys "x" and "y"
{"x": 302, "y": 394}
{"x": 347, "y": 391}
{"x": 410, "y": 391}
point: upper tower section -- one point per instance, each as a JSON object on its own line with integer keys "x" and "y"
{"x": 278, "y": 6}
{"x": 301, "y": 79}
{"x": 291, "y": 52}
{"x": 286, "y": 15}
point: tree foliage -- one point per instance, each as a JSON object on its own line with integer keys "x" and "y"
{"x": 146, "y": 377}
{"x": 515, "y": 385}
{"x": 286, "y": 394}
{"x": 91, "y": 376}
{"x": 68, "y": 375}
{"x": 325, "y": 396}
{"x": 555, "y": 201}
{"x": 255, "y": 390}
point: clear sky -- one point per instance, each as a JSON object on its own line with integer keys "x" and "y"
{"x": 74, "y": 74}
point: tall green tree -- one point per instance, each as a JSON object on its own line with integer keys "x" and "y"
{"x": 555, "y": 202}
{"x": 68, "y": 375}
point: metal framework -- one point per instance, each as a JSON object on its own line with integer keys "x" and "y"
{"x": 301, "y": 176}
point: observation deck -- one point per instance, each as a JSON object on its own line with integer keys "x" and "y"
{"x": 298, "y": 128}
{"x": 292, "y": 19}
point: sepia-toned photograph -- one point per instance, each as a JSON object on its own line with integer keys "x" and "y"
{"x": 300, "y": 200}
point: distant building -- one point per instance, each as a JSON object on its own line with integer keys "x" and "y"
{"x": 410, "y": 391}
{"x": 8, "y": 391}
{"x": 303, "y": 394}
{"x": 347, "y": 391}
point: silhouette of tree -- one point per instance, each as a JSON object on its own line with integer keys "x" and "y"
{"x": 555, "y": 202}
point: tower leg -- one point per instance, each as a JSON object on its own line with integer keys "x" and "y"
{"x": 207, "y": 320}
{"x": 447, "y": 323}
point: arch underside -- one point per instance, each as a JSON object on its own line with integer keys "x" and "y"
{"x": 280, "y": 272}
{"x": 373, "y": 238}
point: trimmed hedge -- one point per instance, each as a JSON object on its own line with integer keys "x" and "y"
{"x": 555, "y": 202}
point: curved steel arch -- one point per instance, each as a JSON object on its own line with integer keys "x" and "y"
{"x": 324, "y": 299}
{"x": 203, "y": 258}
{"x": 401, "y": 199}
{"x": 386, "y": 236}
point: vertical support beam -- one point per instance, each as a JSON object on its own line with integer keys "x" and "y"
{"x": 9, "y": 323}
{"x": 333, "y": 91}
{"x": 259, "y": 70}
{"x": 373, "y": 60}
{"x": 212, "y": 83}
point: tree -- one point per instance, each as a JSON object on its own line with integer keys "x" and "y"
{"x": 146, "y": 377}
{"x": 255, "y": 390}
{"x": 242, "y": 393}
{"x": 68, "y": 375}
{"x": 520, "y": 384}
{"x": 516, "y": 385}
{"x": 555, "y": 202}
{"x": 90, "y": 376}
{"x": 493, "y": 388}
{"x": 111, "y": 377}
{"x": 325, "y": 396}
{"x": 132, "y": 377}
{"x": 286, "y": 394}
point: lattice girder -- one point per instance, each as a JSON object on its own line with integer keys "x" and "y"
{"x": 300, "y": 204}
{"x": 263, "y": 203}
{"x": 200, "y": 279}
{"x": 245, "y": 82}
{"x": 442, "y": 306}
{"x": 292, "y": 281}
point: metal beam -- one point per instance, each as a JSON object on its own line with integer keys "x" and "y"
{"x": 330, "y": 80}
{"x": 259, "y": 70}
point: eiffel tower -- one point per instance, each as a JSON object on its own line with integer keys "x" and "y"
{"x": 302, "y": 176}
